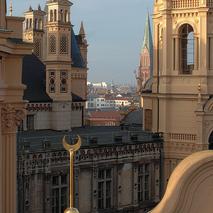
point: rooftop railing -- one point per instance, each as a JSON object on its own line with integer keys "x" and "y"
{"x": 181, "y": 4}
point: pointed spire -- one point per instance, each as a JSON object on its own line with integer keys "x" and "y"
{"x": 82, "y": 31}
{"x": 11, "y": 8}
{"x": 147, "y": 42}
{"x": 39, "y": 7}
{"x": 30, "y": 9}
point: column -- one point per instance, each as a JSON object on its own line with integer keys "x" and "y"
{"x": 11, "y": 116}
{"x": 196, "y": 54}
{"x": 177, "y": 54}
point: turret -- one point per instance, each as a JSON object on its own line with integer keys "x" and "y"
{"x": 82, "y": 42}
{"x": 34, "y": 29}
{"x": 58, "y": 52}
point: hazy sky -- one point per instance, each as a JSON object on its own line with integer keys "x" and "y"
{"x": 114, "y": 31}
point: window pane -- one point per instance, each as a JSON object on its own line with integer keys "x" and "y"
{"x": 100, "y": 195}
{"x": 63, "y": 198}
{"x": 63, "y": 179}
{"x": 55, "y": 180}
{"x": 55, "y": 200}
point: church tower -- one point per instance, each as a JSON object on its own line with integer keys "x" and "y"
{"x": 34, "y": 30}
{"x": 180, "y": 105}
{"x": 58, "y": 51}
{"x": 3, "y": 7}
{"x": 145, "y": 71}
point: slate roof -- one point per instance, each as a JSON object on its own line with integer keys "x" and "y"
{"x": 76, "y": 98}
{"x": 32, "y": 141}
{"x": 33, "y": 76}
{"x": 75, "y": 52}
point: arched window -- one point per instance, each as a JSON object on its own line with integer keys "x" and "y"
{"x": 27, "y": 24}
{"x": 40, "y": 24}
{"x": 30, "y": 24}
{"x": 211, "y": 141}
{"x": 66, "y": 16}
{"x": 36, "y": 24}
{"x": 55, "y": 15}
{"x": 63, "y": 44}
{"x": 62, "y": 15}
{"x": 186, "y": 49}
{"x": 52, "y": 44}
{"x": 51, "y": 15}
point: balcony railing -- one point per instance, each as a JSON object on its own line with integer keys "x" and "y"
{"x": 185, "y": 3}
{"x": 182, "y": 4}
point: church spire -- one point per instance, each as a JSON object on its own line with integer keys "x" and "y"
{"x": 147, "y": 42}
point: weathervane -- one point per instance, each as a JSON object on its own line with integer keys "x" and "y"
{"x": 71, "y": 149}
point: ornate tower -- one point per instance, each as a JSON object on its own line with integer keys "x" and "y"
{"x": 179, "y": 105}
{"x": 58, "y": 52}
{"x": 34, "y": 29}
{"x": 3, "y": 7}
{"x": 145, "y": 70}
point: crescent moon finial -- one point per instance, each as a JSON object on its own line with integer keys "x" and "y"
{"x": 74, "y": 147}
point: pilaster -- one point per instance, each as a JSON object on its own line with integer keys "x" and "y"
{"x": 11, "y": 116}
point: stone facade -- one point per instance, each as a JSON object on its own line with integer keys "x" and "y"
{"x": 60, "y": 58}
{"x": 178, "y": 105}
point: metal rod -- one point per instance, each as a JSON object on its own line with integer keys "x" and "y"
{"x": 71, "y": 178}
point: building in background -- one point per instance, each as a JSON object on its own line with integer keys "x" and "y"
{"x": 56, "y": 73}
{"x": 145, "y": 71}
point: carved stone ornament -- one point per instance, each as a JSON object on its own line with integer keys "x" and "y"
{"x": 11, "y": 116}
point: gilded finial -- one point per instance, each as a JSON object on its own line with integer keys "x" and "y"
{"x": 71, "y": 149}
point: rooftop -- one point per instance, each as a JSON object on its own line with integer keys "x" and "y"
{"x": 36, "y": 141}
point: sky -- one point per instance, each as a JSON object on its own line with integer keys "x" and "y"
{"x": 114, "y": 29}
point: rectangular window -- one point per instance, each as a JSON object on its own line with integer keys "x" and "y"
{"x": 59, "y": 193}
{"x": 105, "y": 188}
{"x": 144, "y": 183}
{"x": 30, "y": 122}
{"x": 148, "y": 120}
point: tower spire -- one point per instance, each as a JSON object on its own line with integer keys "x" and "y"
{"x": 147, "y": 42}
{"x": 82, "y": 31}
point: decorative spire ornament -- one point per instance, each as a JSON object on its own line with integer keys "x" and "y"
{"x": 11, "y": 8}
{"x": 71, "y": 149}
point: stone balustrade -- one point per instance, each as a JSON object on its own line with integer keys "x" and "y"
{"x": 182, "y": 4}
